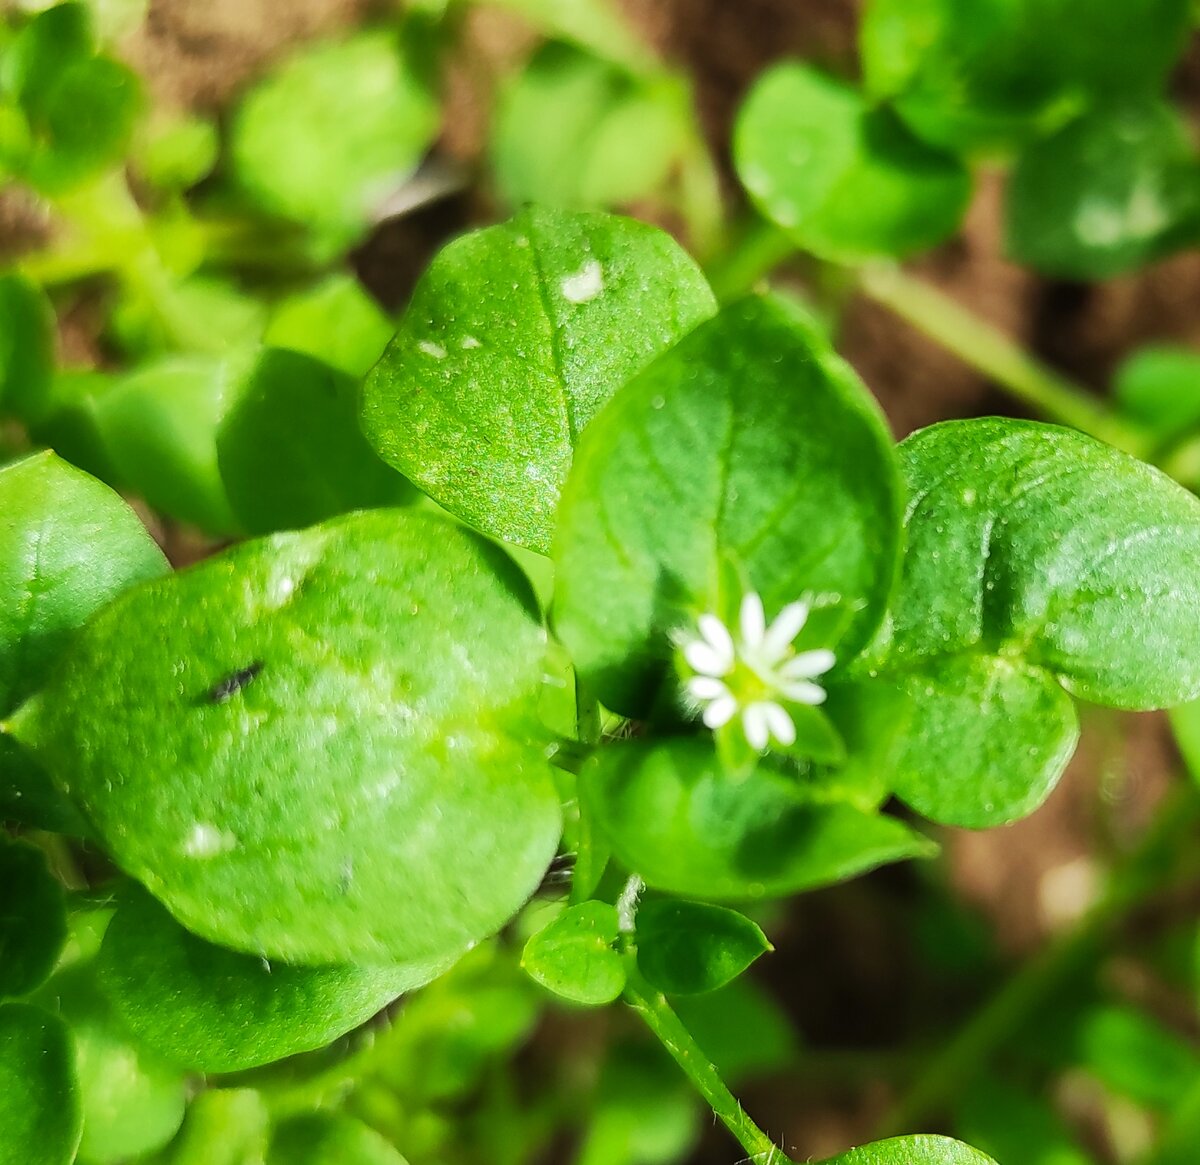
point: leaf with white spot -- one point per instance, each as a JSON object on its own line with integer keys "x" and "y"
{"x": 514, "y": 339}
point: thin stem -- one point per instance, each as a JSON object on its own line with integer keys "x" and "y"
{"x": 988, "y": 350}
{"x": 666, "y": 1025}
{"x": 1002, "y": 1016}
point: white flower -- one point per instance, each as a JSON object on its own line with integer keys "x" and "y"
{"x": 756, "y": 673}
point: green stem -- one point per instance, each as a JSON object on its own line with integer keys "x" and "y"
{"x": 1001, "y": 359}
{"x": 666, "y": 1025}
{"x": 1001, "y": 1018}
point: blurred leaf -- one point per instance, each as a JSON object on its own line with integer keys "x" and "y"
{"x": 845, "y": 180}
{"x": 209, "y": 1009}
{"x": 174, "y": 152}
{"x": 326, "y": 136}
{"x": 334, "y": 320}
{"x": 514, "y": 339}
{"x": 290, "y": 451}
{"x": 288, "y": 742}
{"x": 689, "y": 948}
{"x": 70, "y": 423}
{"x": 33, "y": 918}
{"x": 595, "y": 25}
{"x": 39, "y": 1100}
{"x": 159, "y": 425}
{"x": 27, "y": 339}
{"x": 1185, "y": 723}
{"x": 574, "y": 957}
{"x": 740, "y": 1028}
{"x": 330, "y": 1139}
{"x": 132, "y": 1101}
{"x": 1159, "y": 386}
{"x": 574, "y": 131}
{"x": 674, "y": 817}
{"x": 1113, "y": 190}
{"x": 1013, "y": 1126}
{"x": 1038, "y": 559}
{"x": 196, "y": 315}
{"x": 750, "y": 442}
{"x": 1138, "y": 1057}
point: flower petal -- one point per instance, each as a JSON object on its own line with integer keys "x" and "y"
{"x": 755, "y": 725}
{"x": 705, "y": 659}
{"x": 706, "y": 688}
{"x": 784, "y": 628}
{"x": 779, "y": 723}
{"x": 803, "y": 692}
{"x": 717, "y": 636}
{"x": 807, "y": 664}
{"x": 720, "y": 712}
{"x": 753, "y": 620}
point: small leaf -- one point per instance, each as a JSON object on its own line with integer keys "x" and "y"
{"x": 69, "y": 543}
{"x": 209, "y": 1009}
{"x": 751, "y": 442}
{"x": 26, "y": 347}
{"x": 330, "y": 1139}
{"x": 159, "y": 426}
{"x": 574, "y": 955}
{"x": 290, "y": 451}
{"x": 175, "y": 151}
{"x": 572, "y": 130}
{"x": 972, "y": 77}
{"x": 1112, "y": 191}
{"x": 1159, "y": 386}
{"x": 1037, "y": 559}
{"x": 674, "y": 817}
{"x": 336, "y": 321}
{"x": 333, "y": 130}
{"x": 515, "y": 337}
{"x": 33, "y": 922}
{"x": 845, "y": 180}
{"x": 132, "y": 1101}
{"x": 918, "y": 1150}
{"x": 70, "y": 423}
{"x": 317, "y": 747}
{"x": 688, "y": 948}
{"x": 40, "y": 1119}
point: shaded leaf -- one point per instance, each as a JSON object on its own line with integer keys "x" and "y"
{"x": 688, "y": 948}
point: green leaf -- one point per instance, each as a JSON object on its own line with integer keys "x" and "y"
{"x": 330, "y": 1139}
{"x": 224, "y": 1126}
{"x": 334, "y": 320}
{"x": 750, "y": 441}
{"x": 1037, "y": 559}
{"x": 1110, "y": 192}
{"x": 688, "y": 948}
{"x": 514, "y": 339}
{"x": 39, "y": 1103}
{"x": 968, "y": 78}
{"x": 333, "y": 130}
{"x": 33, "y": 921}
{"x": 574, "y": 955}
{"x": 918, "y": 1150}
{"x": 1016, "y": 1126}
{"x": 1135, "y": 1056}
{"x": 1159, "y": 386}
{"x": 53, "y": 40}
{"x": 741, "y": 1028}
{"x": 290, "y": 451}
{"x": 575, "y": 131}
{"x": 594, "y": 25}
{"x": 70, "y": 423}
{"x": 674, "y": 817}
{"x": 159, "y": 425}
{"x": 196, "y": 315}
{"x": 175, "y": 151}
{"x": 29, "y": 797}
{"x": 209, "y": 1009}
{"x": 132, "y": 1102}
{"x": 317, "y": 747}
{"x": 1185, "y": 723}
{"x": 845, "y": 180}
{"x": 68, "y": 545}
{"x": 26, "y": 347}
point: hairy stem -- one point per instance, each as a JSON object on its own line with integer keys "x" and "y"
{"x": 1001, "y": 1018}
{"x": 652, "y": 1006}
